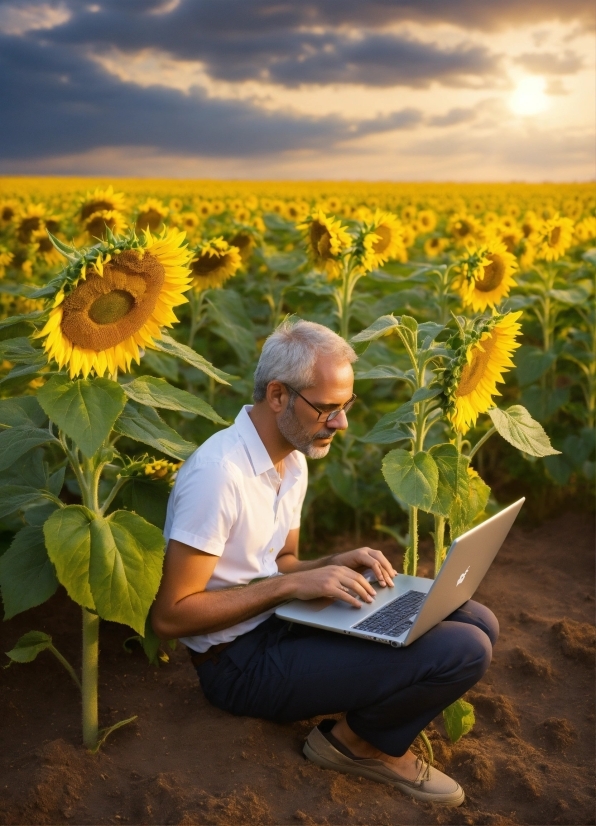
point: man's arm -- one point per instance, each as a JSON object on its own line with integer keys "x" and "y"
{"x": 288, "y": 562}
{"x": 183, "y": 607}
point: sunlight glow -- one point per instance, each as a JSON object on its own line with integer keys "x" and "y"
{"x": 529, "y": 97}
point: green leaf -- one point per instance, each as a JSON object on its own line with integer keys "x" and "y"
{"x": 343, "y": 483}
{"x": 424, "y": 393}
{"x": 168, "y": 345}
{"x": 15, "y": 497}
{"x": 144, "y": 425}
{"x": 24, "y": 410}
{"x": 468, "y": 504}
{"x": 286, "y": 263}
{"x": 409, "y": 323}
{"x": 68, "y": 252}
{"x": 386, "y": 436}
{"x": 85, "y": 409}
{"x": 381, "y": 327}
{"x": 459, "y": 719}
{"x": 27, "y": 576}
{"x": 388, "y": 429}
{"x": 230, "y": 321}
{"x": 16, "y": 441}
{"x": 17, "y": 319}
{"x": 532, "y": 363}
{"x": 160, "y": 364}
{"x": 126, "y": 563}
{"x": 573, "y": 296}
{"x": 68, "y": 540}
{"x": 518, "y": 428}
{"x": 431, "y": 329}
{"x": 29, "y": 646}
{"x": 543, "y": 403}
{"x": 22, "y": 370}
{"x": 381, "y": 372}
{"x": 148, "y": 499}
{"x": 453, "y": 477}
{"x": 412, "y": 478}
{"x": 20, "y": 351}
{"x": 155, "y": 392}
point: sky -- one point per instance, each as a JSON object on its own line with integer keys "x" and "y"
{"x": 410, "y": 90}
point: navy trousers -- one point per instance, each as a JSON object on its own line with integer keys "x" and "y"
{"x": 286, "y": 672}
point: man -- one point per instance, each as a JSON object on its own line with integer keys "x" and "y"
{"x": 233, "y": 518}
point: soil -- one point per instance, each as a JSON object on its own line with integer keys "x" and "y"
{"x": 529, "y": 759}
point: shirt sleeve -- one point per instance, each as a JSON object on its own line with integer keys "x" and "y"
{"x": 203, "y": 506}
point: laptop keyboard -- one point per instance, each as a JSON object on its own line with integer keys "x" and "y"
{"x": 394, "y": 618}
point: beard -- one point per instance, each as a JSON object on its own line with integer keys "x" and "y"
{"x": 290, "y": 428}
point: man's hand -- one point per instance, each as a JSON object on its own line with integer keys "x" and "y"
{"x": 333, "y": 582}
{"x": 368, "y": 558}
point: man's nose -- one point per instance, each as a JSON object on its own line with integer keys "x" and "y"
{"x": 340, "y": 422}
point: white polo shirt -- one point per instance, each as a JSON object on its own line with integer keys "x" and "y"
{"x": 225, "y": 502}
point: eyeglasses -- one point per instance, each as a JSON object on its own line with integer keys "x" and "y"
{"x": 329, "y": 416}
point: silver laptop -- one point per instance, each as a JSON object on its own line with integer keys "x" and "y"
{"x": 398, "y": 616}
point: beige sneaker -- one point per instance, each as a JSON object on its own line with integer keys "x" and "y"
{"x": 431, "y": 785}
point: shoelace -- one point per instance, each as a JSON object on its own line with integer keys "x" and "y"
{"x": 424, "y": 773}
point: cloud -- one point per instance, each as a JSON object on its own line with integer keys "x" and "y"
{"x": 56, "y": 101}
{"x": 547, "y": 63}
{"x": 28, "y": 17}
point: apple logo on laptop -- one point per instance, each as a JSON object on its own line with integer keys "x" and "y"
{"x": 463, "y": 576}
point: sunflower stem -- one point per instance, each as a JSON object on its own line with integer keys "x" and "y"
{"x": 480, "y": 442}
{"x": 439, "y": 540}
{"x": 411, "y": 554}
{"x": 113, "y": 493}
{"x": 90, "y": 678}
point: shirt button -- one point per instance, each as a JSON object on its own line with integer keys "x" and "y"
{"x": 270, "y": 550}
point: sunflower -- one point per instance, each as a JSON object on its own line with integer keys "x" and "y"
{"x": 478, "y": 366}
{"x": 151, "y": 214}
{"x": 99, "y": 222}
{"x": 29, "y": 220}
{"x": 100, "y": 200}
{"x": 245, "y": 242}
{"x": 435, "y": 246}
{"x": 204, "y": 209}
{"x": 327, "y": 240}
{"x": 8, "y": 210}
{"x": 427, "y": 220}
{"x": 383, "y": 241}
{"x": 213, "y": 263}
{"x": 115, "y": 300}
{"x": 463, "y": 228}
{"x": 556, "y": 237}
{"x": 161, "y": 469}
{"x": 585, "y": 230}
{"x": 44, "y": 248}
{"x": 487, "y": 276}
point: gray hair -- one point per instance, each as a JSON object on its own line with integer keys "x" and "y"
{"x": 290, "y": 353}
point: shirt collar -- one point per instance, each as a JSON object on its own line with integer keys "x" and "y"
{"x": 257, "y": 452}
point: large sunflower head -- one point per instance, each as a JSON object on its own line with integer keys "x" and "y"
{"x": 483, "y": 355}
{"x": 101, "y": 200}
{"x": 99, "y": 223}
{"x": 383, "y": 241}
{"x": 213, "y": 262}
{"x": 114, "y": 299}
{"x": 486, "y": 275}
{"x": 151, "y": 215}
{"x": 556, "y": 236}
{"x": 327, "y": 239}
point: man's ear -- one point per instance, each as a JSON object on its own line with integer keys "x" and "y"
{"x": 277, "y": 396}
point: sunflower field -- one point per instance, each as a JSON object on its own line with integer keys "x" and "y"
{"x": 131, "y": 319}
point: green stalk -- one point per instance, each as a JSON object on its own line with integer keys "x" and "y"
{"x": 480, "y": 442}
{"x": 439, "y": 537}
{"x": 411, "y": 554}
{"x": 90, "y": 678}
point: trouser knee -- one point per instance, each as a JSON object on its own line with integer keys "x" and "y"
{"x": 465, "y": 651}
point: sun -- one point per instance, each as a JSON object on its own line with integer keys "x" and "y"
{"x": 529, "y": 97}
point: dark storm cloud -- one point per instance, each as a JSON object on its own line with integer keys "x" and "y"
{"x": 55, "y": 102}
{"x": 546, "y": 63}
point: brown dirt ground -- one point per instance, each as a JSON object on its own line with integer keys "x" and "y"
{"x": 529, "y": 759}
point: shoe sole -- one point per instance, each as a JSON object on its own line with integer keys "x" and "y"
{"x": 454, "y": 800}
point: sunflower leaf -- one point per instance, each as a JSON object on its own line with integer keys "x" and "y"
{"x": 68, "y": 252}
{"x": 381, "y": 327}
{"x": 166, "y": 344}
{"x": 17, "y": 319}
{"x": 16, "y": 441}
{"x": 19, "y": 351}
{"x": 412, "y": 478}
{"x": 383, "y": 371}
{"x": 23, "y": 410}
{"x": 22, "y": 370}
{"x": 85, "y": 409}
{"x": 29, "y": 646}
{"x": 158, "y": 393}
{"x": 469, "y": 502}
{"x": 68, "y": 540}
{"x": 459, "y": 719}
{"x": 453, "y": 477}
{"x": 518, "y": 428}
{"x": 143, "y": 424}
{"x": 125, "y": 567}
{"x": 15, "y": 497}
{"x": 27, "y": 576}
